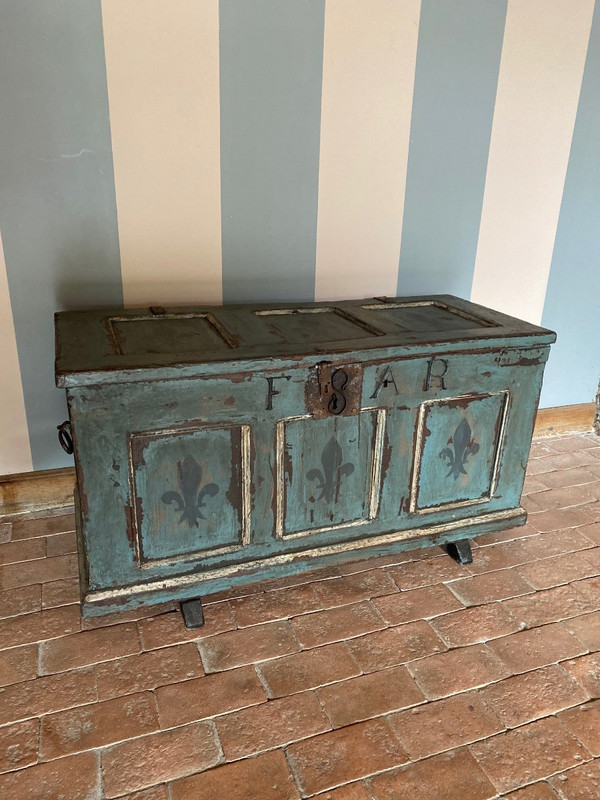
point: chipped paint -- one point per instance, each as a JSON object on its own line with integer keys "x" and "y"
{"x": 454, "y": 529}
{"x": 269, "y": 518}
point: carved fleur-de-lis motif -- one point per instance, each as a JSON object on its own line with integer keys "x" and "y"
{"x": 463, "y": 447}
{"x": 190, "y": 501}
{"x": 333, "y": 471}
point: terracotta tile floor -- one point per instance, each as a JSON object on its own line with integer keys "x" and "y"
{"x": 406, "y": 678}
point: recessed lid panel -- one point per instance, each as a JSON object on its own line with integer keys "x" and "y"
{"x": 172, "y": 333}
{"x": 306, "y": 325}
{"x": 428, "y": 316}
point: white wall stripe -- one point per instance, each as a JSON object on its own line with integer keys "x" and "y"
{"x": 368, "y": 76}
{"x": 15, "y": 452}
{"x": 162, "y": 63}
{"x": 543, "y": 56}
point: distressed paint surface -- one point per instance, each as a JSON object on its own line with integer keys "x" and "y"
{"x": 465, "y": 436}
{"x": 190, "y": 490}
{"x": 434, "y": 448}
{"x": 88, "y": 352}
{"x": 326, "y": 471}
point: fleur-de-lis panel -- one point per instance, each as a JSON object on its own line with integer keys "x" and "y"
{"x": 326, "y": 471}
{"x": 459, "y": 446}
{"x": 189, "y": 486}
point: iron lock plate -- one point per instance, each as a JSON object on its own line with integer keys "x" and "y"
{"x": 334, "y": 390}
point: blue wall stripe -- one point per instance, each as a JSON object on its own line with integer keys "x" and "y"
{"x": 271, "y": 56}
{"x": 571, "y": 306}
{"x": 57, "y": 204}
{"x": 458, "y": 59}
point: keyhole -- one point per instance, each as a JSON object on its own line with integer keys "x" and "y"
{"x": 337, "y": 404}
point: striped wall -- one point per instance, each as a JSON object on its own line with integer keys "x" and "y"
{"x": 197, "y": 151}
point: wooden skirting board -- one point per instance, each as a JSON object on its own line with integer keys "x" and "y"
{"x": 564, "y": 419}
{"x": 46, "y": 492}
{"x": 50, "y": 492}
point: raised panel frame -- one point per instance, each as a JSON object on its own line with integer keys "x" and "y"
{"x": 419, "y": 446}
{"x": 245, "y": 494}
{"x": 374, "y": 490}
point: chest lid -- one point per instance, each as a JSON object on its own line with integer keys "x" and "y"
{"x": 124, "y": 344}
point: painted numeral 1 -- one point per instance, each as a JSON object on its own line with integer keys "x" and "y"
{"x": 272, "y": 391}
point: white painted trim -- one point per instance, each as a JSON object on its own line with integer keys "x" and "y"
{"x": 419, "y": 445}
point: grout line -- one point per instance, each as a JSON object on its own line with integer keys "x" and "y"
{"x": 315, "y": 692}
{"x": 39, "y": 741}
{"x": 263, "y": 681}
{"x": 366, "y": 783}
{"x": 293, "y": 772}
{"x": 559, "y": 792}
{"x": 217, "y": 739}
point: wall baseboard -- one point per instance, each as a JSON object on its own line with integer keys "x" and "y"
{"x": 44, "y": 493}
{"x": 564, "y": 419}
{"x": 50, "y": 492}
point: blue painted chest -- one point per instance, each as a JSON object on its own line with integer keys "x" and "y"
{"x": 217, "y": 446}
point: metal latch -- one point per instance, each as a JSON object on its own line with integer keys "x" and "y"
{"x": 334, "y": 390}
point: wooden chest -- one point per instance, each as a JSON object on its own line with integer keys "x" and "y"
{"x": 217, "y": 446}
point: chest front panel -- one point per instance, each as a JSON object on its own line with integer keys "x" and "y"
{"x": 220, "y": 446}
{"x": 203, "y": 476}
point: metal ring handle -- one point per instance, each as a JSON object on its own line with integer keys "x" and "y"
{"x": 64, "y": 437}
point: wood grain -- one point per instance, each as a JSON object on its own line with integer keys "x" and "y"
{"x": 37, "y": 493}
{"x": 564, "y": 419}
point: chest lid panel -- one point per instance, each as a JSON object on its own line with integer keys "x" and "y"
{"x": 120, "y": 344}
